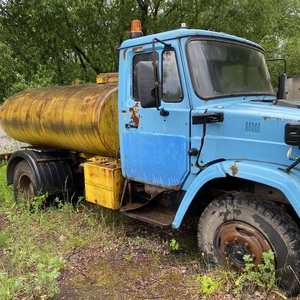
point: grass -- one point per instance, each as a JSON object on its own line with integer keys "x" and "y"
{"x": 249, "y": 284}
{"x": 35, "y": 242}
{"x": 83, "y": 248}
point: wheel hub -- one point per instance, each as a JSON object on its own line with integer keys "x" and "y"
{"x": 237, "y": 239}
{"x": 26, "y": 187}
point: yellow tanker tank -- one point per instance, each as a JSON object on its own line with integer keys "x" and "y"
{"x": 78, "y": 117}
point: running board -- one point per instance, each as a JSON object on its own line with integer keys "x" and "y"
{"x": 159, "y": 210}
{"x": 152, "y": 215}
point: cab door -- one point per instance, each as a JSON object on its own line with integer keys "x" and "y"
{"x": 155, "y": 141}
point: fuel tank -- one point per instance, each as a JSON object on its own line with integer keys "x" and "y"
{"x": 79, "y": 117}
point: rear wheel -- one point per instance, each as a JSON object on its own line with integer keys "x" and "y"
{"x": 238, "y": 224}
{"x": 24, "y": 182}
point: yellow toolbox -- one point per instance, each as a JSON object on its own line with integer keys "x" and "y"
{"x": 104, "y": 183}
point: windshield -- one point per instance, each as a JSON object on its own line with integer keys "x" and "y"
{"x": 221, "y": 68}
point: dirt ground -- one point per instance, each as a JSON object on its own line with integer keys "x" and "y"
{"x": 145, "y": 270}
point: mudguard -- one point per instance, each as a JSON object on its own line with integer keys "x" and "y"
{"x": 269, "y": 174}
{"x": 52, "y": 171}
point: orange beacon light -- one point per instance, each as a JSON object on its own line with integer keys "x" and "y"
{"x": 135, "y": 29}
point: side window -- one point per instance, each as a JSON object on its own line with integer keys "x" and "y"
{"x": 172, "y": 91}
{"x": 136, "y": 59}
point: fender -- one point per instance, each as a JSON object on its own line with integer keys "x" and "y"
{"x": 269, "y": 174}
{"x": 30, "y": 156}
{"x": 51, "y": 170}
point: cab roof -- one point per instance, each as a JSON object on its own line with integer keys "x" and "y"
{"x": 182, "y": 33}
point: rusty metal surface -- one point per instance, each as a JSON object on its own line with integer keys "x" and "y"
{"x": 107, "y": 78}
{"x": 234, "y": 169}
{"x": 156, "y": 217}
{"x": 138, "y": 48}
{"x": 124, "y": 54}
{"x": 159, "y": 210}
{"x": 237, "y": 239}
{"x": 78, "y": 117}
{"x": 132, "y": 206}
{"x": 134, "y": 117}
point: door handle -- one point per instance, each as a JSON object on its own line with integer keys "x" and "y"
{"x": 131, "y": 125}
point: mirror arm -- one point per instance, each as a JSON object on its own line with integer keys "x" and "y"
{"x": 279, "y": 59}
{"x": 155, "y": 74}
{"x": 163, "y": 112}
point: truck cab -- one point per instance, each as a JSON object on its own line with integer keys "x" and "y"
{"x": 190, "y": 100}
{"x": 201, "y": 129}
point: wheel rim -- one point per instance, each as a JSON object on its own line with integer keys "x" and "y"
{"x": 25, "y": 187}
{"x": 236, "y": 239}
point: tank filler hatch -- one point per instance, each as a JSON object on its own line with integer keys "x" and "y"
{"x": 107, "y": 78}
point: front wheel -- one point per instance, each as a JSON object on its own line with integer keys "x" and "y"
{"x": 24, "y": 182}
{"x": 238, "y": 224}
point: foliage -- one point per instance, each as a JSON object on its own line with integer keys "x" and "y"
{"x": 263, "y": 277}
{"x": 260, "y": 279}
{"x": 39, "y": 281}
{"x": 174, "y": 245}
{"x": 34, "y": 242}
{"x": 34, "y": 205}
{"x": 66, "y": 41}
{"x": 128, "y": 256}
{"x": 208, "y": 284}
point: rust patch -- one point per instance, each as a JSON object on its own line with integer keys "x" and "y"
{"x": 132, "y": 206}
{"x": 139, "y": 48}
{"x": 134, "y": 114}
{"x": 234, "y": 169}
{"x": 238, "y": 236}
{"x": 269, "y": 118}
{"x": 124, "y": 54}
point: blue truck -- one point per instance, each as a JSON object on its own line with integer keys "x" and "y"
{"x": 189, "y": 124}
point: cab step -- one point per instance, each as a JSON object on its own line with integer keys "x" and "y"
{"x": 153, "y": 216}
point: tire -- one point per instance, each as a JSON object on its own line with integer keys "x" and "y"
{"x": 238, "y": 224}
{"x": 24, "y": 182}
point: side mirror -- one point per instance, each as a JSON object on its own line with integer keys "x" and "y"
{"x": 281, "y": 93}
{"x": 146, "y": 84}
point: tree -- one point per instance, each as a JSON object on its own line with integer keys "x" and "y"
{"x": 69, "y": 40}
{"x": 63, "y": 41}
